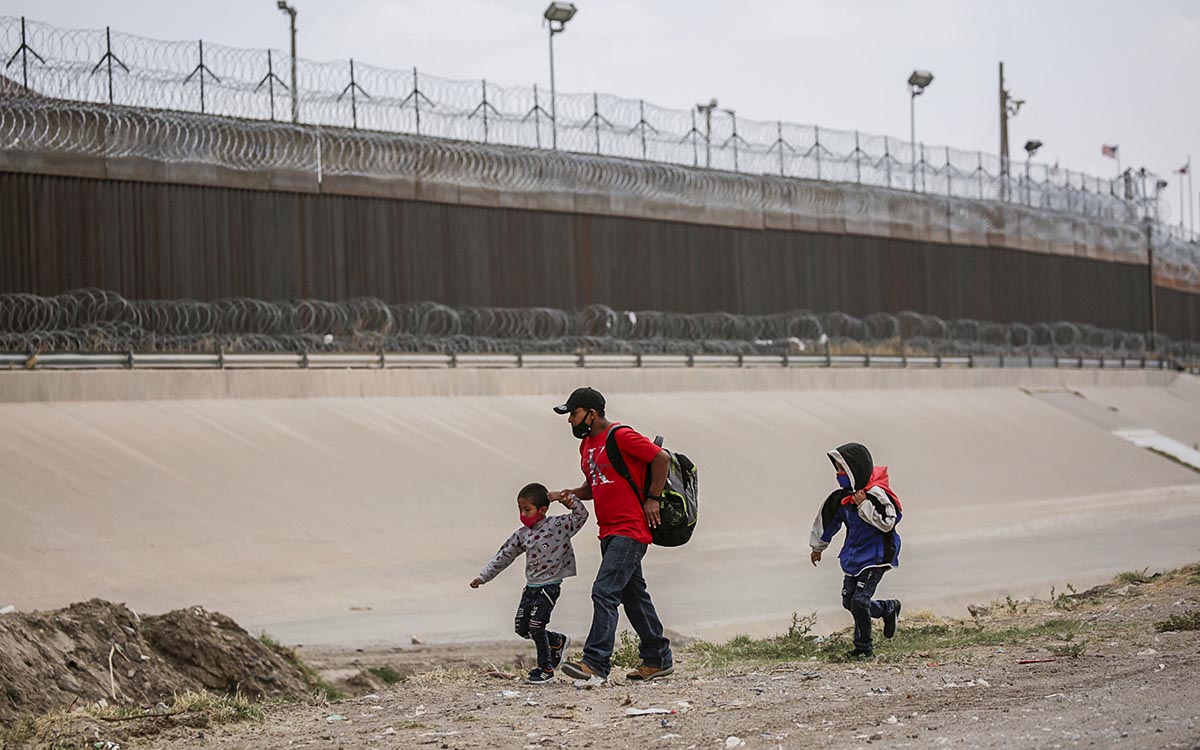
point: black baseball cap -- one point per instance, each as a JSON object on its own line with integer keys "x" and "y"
{"x": 582, "y": 398}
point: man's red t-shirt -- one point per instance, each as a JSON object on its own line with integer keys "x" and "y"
{"x": 618, "y": 510}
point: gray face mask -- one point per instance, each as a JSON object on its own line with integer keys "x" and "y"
{"x": 582, "y": 429}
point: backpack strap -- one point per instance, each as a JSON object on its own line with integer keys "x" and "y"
{"x": 617, "y": 459}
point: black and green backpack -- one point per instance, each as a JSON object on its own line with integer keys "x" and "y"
{"x": 679, "y": 505}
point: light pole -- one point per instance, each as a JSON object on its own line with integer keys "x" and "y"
{"x": 1009, "y": 107}
{"x": 1031, "y": 147}
{"x": 556, "y": 15}
{"x": 916, "y": 86}
{"x": 707, "y": 109}
{"x": 291, "y": 11}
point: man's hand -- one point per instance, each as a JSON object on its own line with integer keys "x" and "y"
{"x": 815, "y": 557}
{"x": 652, "y": 518}
{"x": 860, "y": 497}
{"x": 568, "y": 500}
{"x": 476, "y": 583}
{"x": 557, "y": 495}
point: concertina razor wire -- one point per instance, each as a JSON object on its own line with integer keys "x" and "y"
{"x": 105, "y": 131}
{"x": 78, "y": 64}
{"x": 254, "y": 84}
{"x": 93, "y": 320}
{"x": 145, "y": 92}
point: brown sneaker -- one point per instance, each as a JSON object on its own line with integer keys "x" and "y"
{"x": 580, "y": 671}
{"x": 645, "y": 673}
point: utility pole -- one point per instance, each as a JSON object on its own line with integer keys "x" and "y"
{"x": 1009, "y": 107}
{"x": 1003, "y": 125}
{"x": 1149, "y": 224}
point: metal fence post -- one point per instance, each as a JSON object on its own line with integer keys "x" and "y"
{"x": 979, "y": 173}
{"x": 109, "y": 58}
{"x": 949, "y": 175}
{"x": 817, "y": 147}
{"x": 354, "y": 89}
{"x": 887, "y": 160}
{"x": 270, "y": 79}
{"x": 857, "y": 160}
{"x": 24, "y": 51}
{"x": 199, "y": 72}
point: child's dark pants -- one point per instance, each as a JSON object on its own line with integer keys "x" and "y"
{"x": 533, "y": 615}
{"x": 856, "y": 597}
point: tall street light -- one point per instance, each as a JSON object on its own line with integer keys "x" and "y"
{"x": 556, "y": 15}
{"x": 916, "y": 86}
{"x": 291, "y": 11}
{"x": 1031, "y": 148}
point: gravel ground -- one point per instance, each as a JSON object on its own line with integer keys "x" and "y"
{"x": 1127, "y": 685}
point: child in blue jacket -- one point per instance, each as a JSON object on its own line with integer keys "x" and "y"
{"x": 865, "y": 504}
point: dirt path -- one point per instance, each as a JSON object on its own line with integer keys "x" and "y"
{"x": 1115, "y": 682}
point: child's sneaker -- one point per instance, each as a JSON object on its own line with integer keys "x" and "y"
{"x": 539, "y": 676}
{"x": 889, "y": 620}
{"x": 558, "y": 653}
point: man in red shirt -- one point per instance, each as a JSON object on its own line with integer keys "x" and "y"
{"x": 625, "y": 522}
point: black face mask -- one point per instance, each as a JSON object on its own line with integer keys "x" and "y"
{"x": 582, "y": 429}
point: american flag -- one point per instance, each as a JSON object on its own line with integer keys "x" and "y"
{"x": 1109, "y": 151}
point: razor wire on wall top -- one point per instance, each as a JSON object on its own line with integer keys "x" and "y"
{"x": 36, "y": 126}
{"x": 117, "y": 68}
{"x": 92, "y": 320}
{"x": 174, "y": 102}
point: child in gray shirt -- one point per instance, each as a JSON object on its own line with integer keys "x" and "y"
{"x": 549, "y": 558}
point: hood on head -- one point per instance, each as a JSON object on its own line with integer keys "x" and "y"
{"x": 855, "y": 461}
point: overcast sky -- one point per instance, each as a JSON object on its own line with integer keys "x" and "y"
{"x": 1091, "y": 71}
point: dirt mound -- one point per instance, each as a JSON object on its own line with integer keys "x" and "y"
{"x": 99, "y": 650}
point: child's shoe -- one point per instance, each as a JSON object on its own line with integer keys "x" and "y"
{"x": 889, "y": 620}
{"x": 539, "y": 676}
{"x": 557, "y": 654}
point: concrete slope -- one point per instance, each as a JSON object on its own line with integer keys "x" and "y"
{"x": 1177, "y": 415}
{"x": 358, "y": 520}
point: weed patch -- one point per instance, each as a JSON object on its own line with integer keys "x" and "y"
{"x": 1175, "y": 623}
{"x": 389, "y": 675}
{"x": 626, "y": 652}
{"x": 1136, "y": 577}
{"x": 797, "y": 644}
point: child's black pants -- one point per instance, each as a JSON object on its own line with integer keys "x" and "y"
{"x": 533, "y": 615}
{"x": 857, "y": 593}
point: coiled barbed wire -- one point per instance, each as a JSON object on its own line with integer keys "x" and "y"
{"x": 95, "y": 320}
{"x": 213, "y": 79}
{"x": 41, "y": 126}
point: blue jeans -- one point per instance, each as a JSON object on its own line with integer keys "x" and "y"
{"x": 856, "y": 597}
{"x": 620, "y": 581}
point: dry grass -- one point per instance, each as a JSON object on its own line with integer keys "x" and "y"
{"x": 65, "y": 730}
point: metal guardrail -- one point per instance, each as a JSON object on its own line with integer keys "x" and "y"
{"x": 390, "y": 360}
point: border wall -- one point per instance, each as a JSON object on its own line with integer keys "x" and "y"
{"x": 406, "y": 218}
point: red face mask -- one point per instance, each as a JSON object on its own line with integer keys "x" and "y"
{"x": 530, "y": 521}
